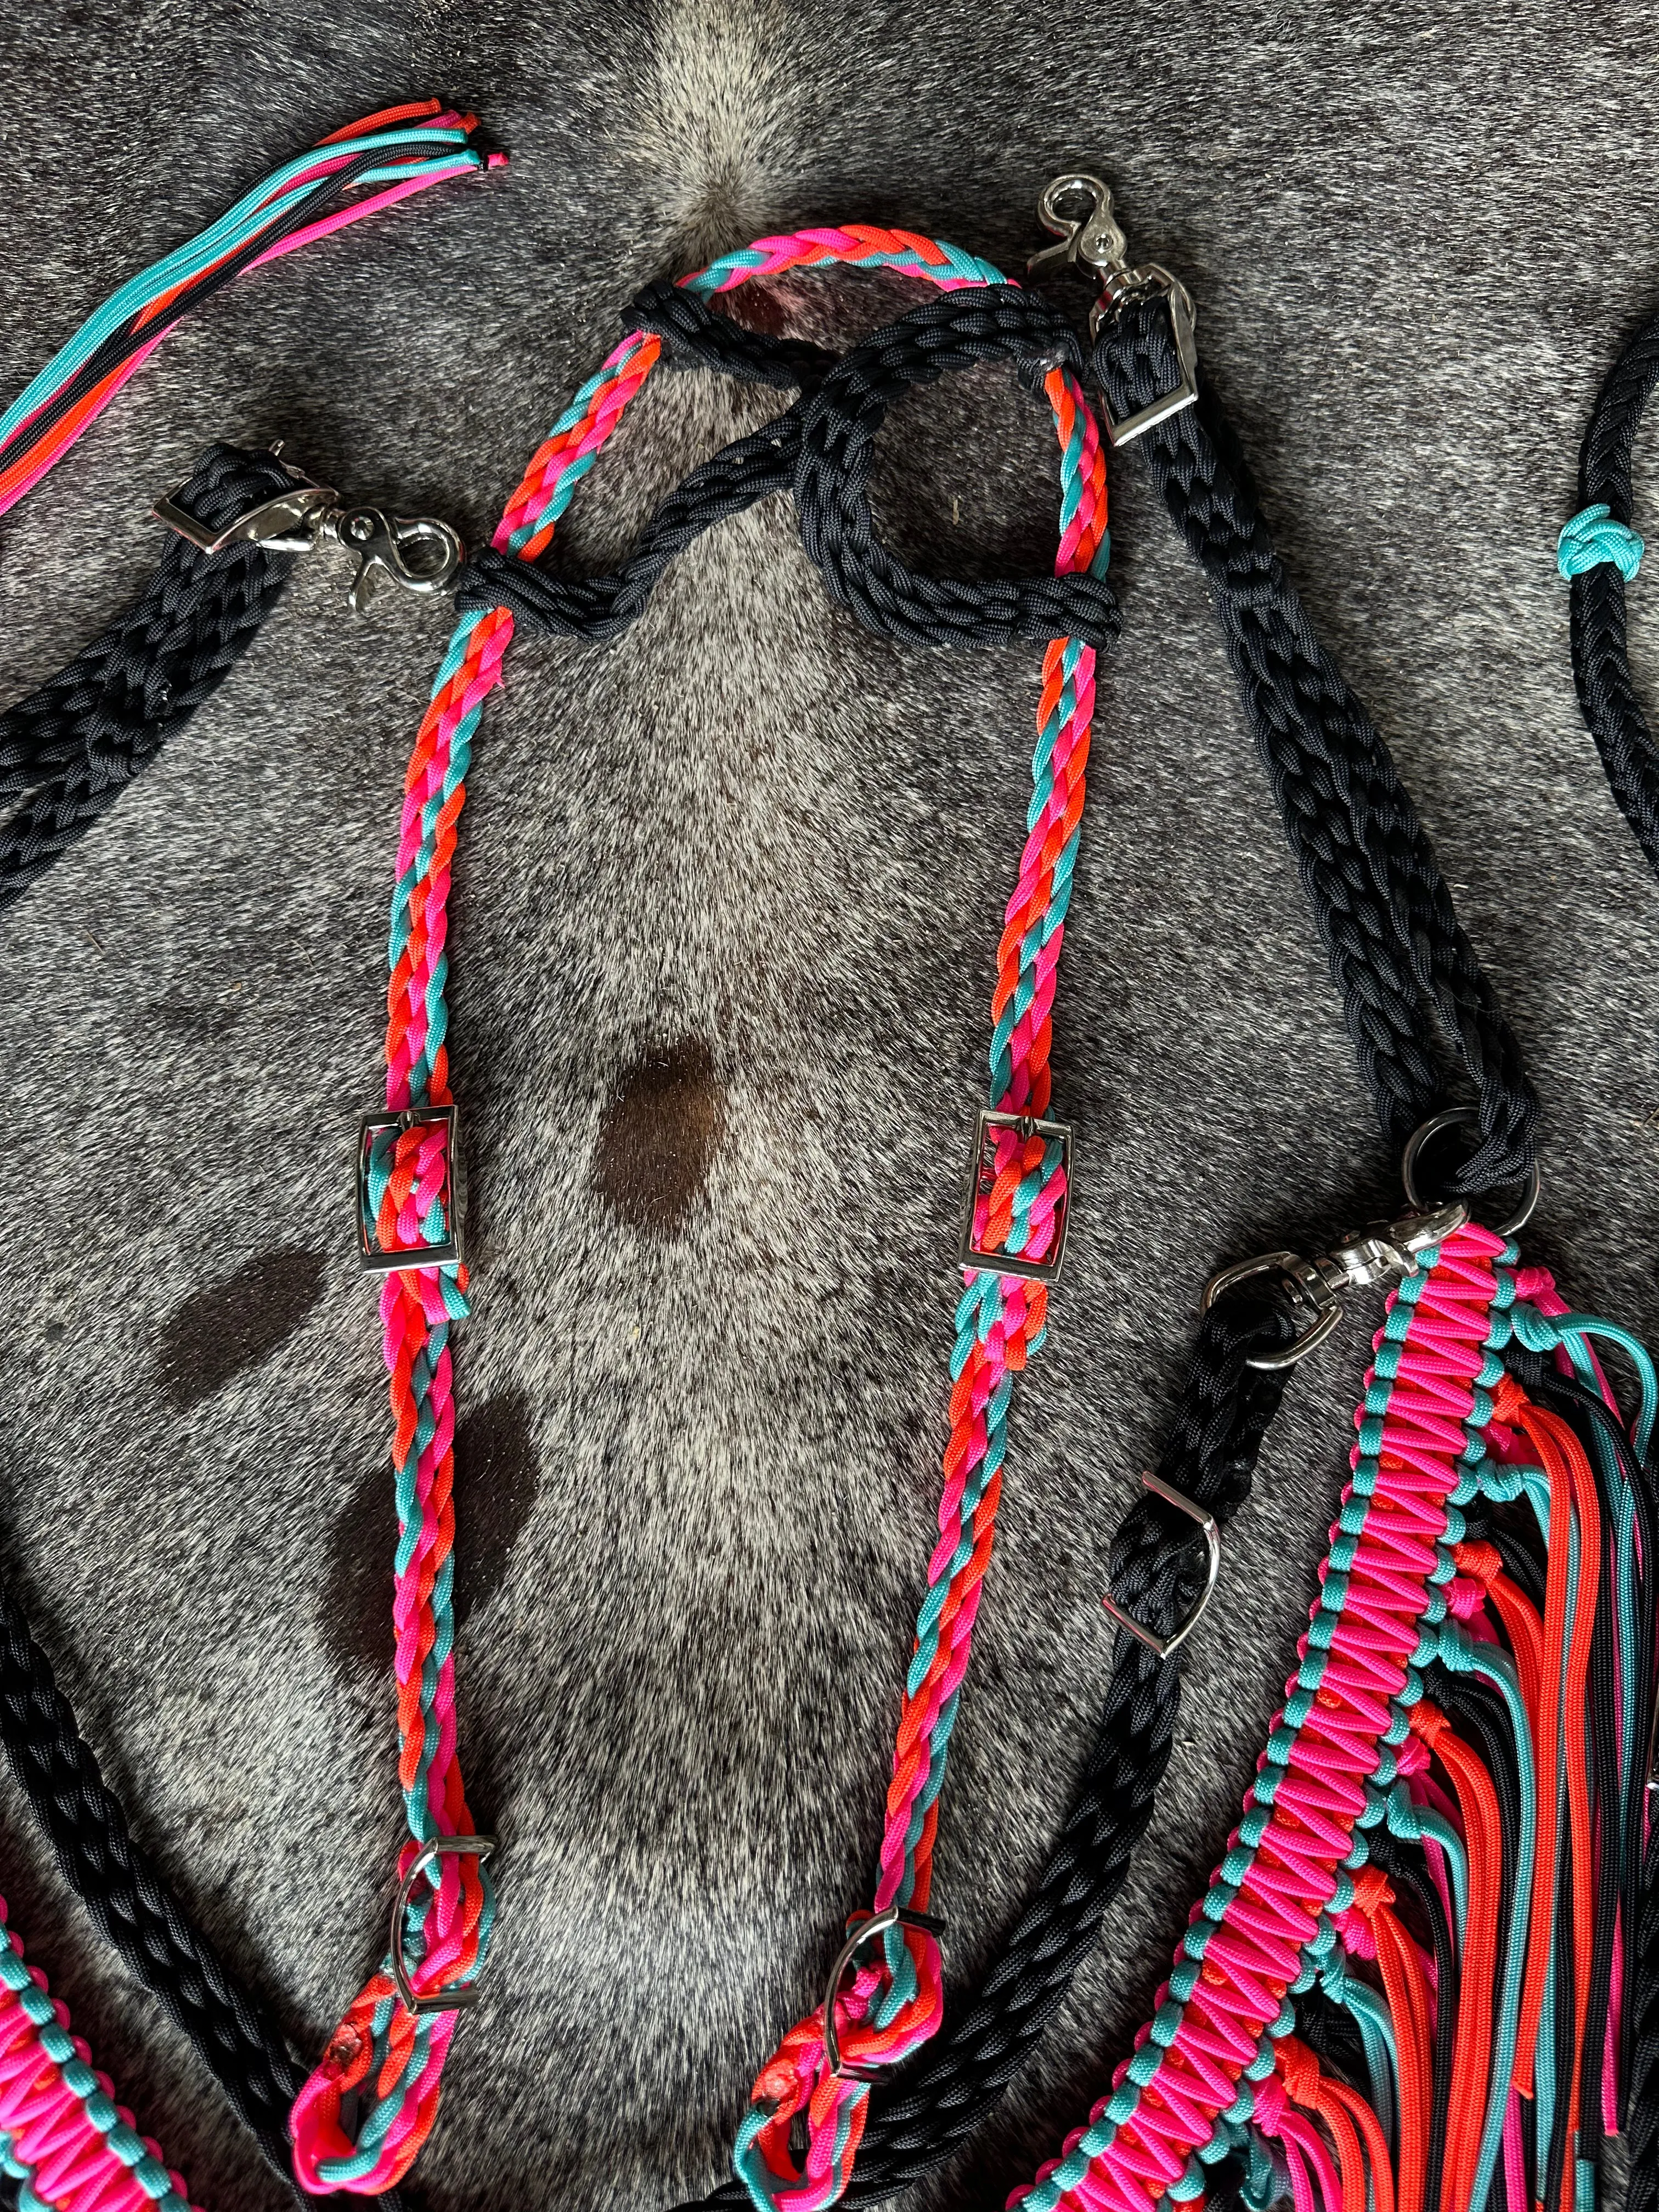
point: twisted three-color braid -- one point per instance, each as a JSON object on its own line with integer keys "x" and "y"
{"x": 390, "y": 2057}
{"x": 891, "y": 2008}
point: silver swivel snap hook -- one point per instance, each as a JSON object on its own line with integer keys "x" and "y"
{"x": 1317, "y": 1286}
{"x": 415, "y": 553}
{"x": 1092, "y": 238}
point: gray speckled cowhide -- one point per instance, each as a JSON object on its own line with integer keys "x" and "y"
{"x": 724, "y": 929}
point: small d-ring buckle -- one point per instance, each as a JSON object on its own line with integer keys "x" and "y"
{"x": 1450, "y": 1119}
{"x": 1163, "y": 1645}
{"x": 477, "y": 1847}
{"x": 867, "y": 1926}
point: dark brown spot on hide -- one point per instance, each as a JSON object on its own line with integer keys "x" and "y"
{"x": 495, "y": 1476}
{"x": 217, "y": 1333}
{"x": 660, "y": 1129}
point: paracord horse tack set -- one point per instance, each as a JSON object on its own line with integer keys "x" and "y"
{"x": 1426, "y": 1974}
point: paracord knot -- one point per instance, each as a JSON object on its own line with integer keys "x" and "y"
{"x": 1591, "y": 538}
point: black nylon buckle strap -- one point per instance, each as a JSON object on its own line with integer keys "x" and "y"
{"x": 1601, "y": 653}
{"x": 915, "y": 2124}
{"x": 68, "y": 750}
{"x": 1399, "y": 956}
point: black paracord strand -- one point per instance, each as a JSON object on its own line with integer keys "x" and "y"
{"x": 1600, "y": 656}
{"x": 919, "y": 2120}
{"x": 1399, "y": 955}
{"x": 68, "y": 750}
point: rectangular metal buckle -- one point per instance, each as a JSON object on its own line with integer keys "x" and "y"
{"x": 449, "y": 1253}
{"x": 1183, "y": 394}
{"x": 970, "y": 1255}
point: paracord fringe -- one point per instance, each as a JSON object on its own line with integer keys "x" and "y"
{"x": 403, "y": 149}
{"x": 63, "y": 2139}
{"x": 393, "y": 2059}
{"x": 1295, "y": 1855}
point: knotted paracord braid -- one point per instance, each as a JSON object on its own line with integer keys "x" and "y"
{"x": 68, "y": 750}
{"x": 1600, "y": 656}
{"x": 1397, "y": 950}
{"x": 1223, "y": 1413}
{"x": 132, "y": 1904}
{"x": 394, "y": 2058}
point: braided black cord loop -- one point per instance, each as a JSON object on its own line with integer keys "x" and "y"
{"x": 1600, "y": 656}
{"x": 133, "y": 1907}
{"x": 692, "y": 332}
{"x": 598, "y": 608}
{"x": 839, "y": 423}
{"x": 1397, "y": 950}
{"x": 820, "y": 447}
{"x": 68, "y": 750}
{"x": 918, "y": 2121}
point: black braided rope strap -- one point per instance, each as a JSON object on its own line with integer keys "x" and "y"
{"x": 598, "y": 608}
{"x": 133, "y": 1907}
{"x": 1600, "y": 657}
{"x": 840, "y": 421}
{"x": 921, "y": 2118}
{"x": 68, "y": 750}
{"x": 1399, "y": 955}
{"x": 822, "y": 446}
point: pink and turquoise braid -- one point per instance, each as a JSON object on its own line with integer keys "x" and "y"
{"x": 392, "y": 2058}
{"x": 892, "y": 2008}
{"x": 63, "y": 2139}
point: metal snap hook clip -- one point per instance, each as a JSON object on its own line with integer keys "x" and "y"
{"x": 477, "y": 1847}
{"x": 1317, "y": 1286}
{"x": 415, "y": 552}
{"x": 1095, "y": 241}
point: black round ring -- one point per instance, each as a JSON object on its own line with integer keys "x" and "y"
{"x": 840, "y": 422}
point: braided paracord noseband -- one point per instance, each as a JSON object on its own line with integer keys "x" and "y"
{"x": 390, "y": 2054}
{"x": 1399, "y": 955}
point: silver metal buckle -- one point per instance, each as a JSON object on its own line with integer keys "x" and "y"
{"x": 970, "y": 1255}
{"x": 477, "y": 1847}
{"x": 1095, "y": 241}
{"x": 448, "y": 1253}
{"x": 1163, "y": 1645}
{"x": 865, "y": 1928}
{"x": 1451, "y": 1118}
{"x": 415, "y": 552}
